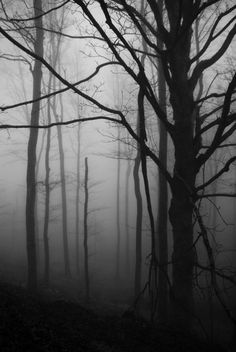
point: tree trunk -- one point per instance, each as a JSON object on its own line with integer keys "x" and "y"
{"x": 118, "y": 209}
{"x": 47, "y": 197}
{"x": 181, "y": 212}
{"x": 139, "y": 215}
{"x": 37, "y": 232}
{"x": 127, "y": 252}
{"x": 32, "y": 145}
{"x": 184, "y": 175}
{"x": 162, "y": 240}
{"x": 77, "y": 203}
{"x": 86, "y": 266}
{"x": 139, "y": 218}
{"x": 63, "y": 194}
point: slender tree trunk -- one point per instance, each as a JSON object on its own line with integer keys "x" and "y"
{"x": 77, "y": 202}
{"x": 139, "y": 218}
{"x": 37, "y": 232}
{"x": 63, "y": 193}
{"x": 47, "y": 198}
{"x": 127, "y": 253}
{"x": 86, "y": 265}
{"x": 55, "y": 44}
{"x": 118, "y": 209}
{"x": 162, "y": 239}
{"x": 137, "y": 189}
{"x": 32, "y": 145}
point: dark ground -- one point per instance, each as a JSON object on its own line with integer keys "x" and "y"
{"x": 33, "y": 324}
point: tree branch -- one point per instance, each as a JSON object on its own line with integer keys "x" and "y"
{"x": 39, "y": 16}
{"x": 98, "y": 68}
{"x": 61, "y": 123}
{"x": 204, "y": 64}
{"x": 211, "y": 36}
{"x": 217, "y": 175}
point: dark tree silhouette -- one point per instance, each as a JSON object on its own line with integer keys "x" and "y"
{"x": 162, "y": 240}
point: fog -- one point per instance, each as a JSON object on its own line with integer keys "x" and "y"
{"x": 103, "y": 258}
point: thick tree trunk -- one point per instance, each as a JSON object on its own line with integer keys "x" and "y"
{"x": 86, "y": 264}
{"x": 32, "y": 145}
{"x": 181, "y": 211}
{"x": 181, "y": 208}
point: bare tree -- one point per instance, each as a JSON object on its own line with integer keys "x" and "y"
{"x": 162, "y": 236}
{"x": 118, "y": 244}
{"x": 127, "y": 205}
{"x": 47, "y": 198}
{"x": 32, "y": 145}
{"x": 86, "y": 256}
{"x": 186, "y": 120}
{"x": 77, "y": 198}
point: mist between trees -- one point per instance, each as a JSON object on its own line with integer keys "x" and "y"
{"x": 118, "y": 155}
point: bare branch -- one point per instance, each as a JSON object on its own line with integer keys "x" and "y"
{"x": 217, "y": 175}
{"x": 204, "y": 64}
{"x": 43, "y": 14}
{"x": 223, "y": 123}
{"x": 61, "y": 123}
{"x": 211, "y": 36}
{"x": 213, "y": 195}
{"x": 98, "y": 68}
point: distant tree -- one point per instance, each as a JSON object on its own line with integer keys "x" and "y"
{"x": 32, "y": 145}
{"x": 118, "y": 243}
{"x": 63, "y": 191}
{"x": 47, "y": 197}
{"x": 127, "y": 207}
{"x": 77, "y": 198}
{"x": 86, "y": 255}
{"x": 58, "y": 112}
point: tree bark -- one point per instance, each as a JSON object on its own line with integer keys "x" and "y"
{"x": 181, "y": 208}
{"x": 32, "y": 146}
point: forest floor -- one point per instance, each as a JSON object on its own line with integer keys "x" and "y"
{"x": 37, "y": 323}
